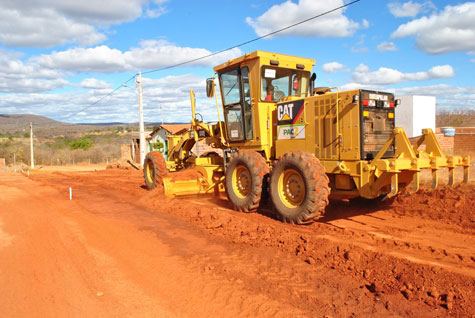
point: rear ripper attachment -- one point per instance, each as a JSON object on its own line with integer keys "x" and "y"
{"x": 389, "y": 152}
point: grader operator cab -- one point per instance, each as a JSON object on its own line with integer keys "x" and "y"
{"x": 297, "y": 144}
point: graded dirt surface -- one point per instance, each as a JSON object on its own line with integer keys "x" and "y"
{"x": 118, "y": 250}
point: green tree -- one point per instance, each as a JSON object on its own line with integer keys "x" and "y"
{"x": 83, "y": 143}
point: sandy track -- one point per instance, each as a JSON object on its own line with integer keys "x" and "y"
{"x": 119, "y": 250}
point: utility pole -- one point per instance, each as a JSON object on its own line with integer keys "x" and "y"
{"x": 31, "y": 147}
{"x": 141, "y": 124}
{"x": 161, "y": 113}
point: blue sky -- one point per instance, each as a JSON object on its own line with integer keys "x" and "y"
{"x": 59, "y": 57}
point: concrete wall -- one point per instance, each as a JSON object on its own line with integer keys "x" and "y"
{"x": 415, "y": 113}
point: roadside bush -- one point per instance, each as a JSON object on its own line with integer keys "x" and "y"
{"x": 83, "y": 143}
{"x": 93, "y": 148}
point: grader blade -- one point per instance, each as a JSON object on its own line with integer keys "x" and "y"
{"x": 200, "y": 185}
{"x": 183, "y": 187}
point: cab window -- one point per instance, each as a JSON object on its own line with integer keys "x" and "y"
{"x": 236, "y": 93}
{"x": 230, "y": 87}
{"x": 277, "y": 83}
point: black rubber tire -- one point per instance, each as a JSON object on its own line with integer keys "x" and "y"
{"x": 257, "y": 169}
{"x": 312, "y": 174}
{"x": 154, "y": 169}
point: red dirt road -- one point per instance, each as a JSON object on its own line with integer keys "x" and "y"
{"x": 117, "y": 250}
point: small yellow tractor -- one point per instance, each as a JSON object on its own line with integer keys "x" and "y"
{"x": 282, "y": 138}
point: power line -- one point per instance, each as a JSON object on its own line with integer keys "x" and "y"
{"x": 216, "y": 53}
{"x": 250, "y": 41}
{"x": 101, "y": 99}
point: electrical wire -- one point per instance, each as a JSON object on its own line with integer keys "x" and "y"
{"x": 215, "y": 53}
{"x": 102, "y": 98}
{"x": 250, "y": 41}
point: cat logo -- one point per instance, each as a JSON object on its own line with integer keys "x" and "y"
{"x": 289, "y": 112}
{"x": 284, "y": 112}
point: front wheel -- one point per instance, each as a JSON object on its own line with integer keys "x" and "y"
{"x": 154, "y": 168}
{"x": 299, "y": 188}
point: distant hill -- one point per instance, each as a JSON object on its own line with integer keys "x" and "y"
{"x": 24, "y": 120}
{"x": 19, "y": 124}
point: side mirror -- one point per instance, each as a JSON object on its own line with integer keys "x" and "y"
{"x": 312, "y": 83}
{"x": 210, "y": 87}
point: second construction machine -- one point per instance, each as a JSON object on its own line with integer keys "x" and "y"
{"x": 299, "y": 145}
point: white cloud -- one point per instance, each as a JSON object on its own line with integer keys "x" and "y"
{"x": 158, "y": 10}
{"x": 47, "y": 23}
{"x": 359, "y": 46}
{"x": 387, "y": 46}
{"x": 43, "y": 28}
{"x": 334, "y": 67}
{"x": 96, "y": 59}
{"x": 365, "y": 24}
{"x": 17, "y": 76}
{"x": 150, "y": 55}
{"x": 384, "y": 76}
{"x": 441, "y": 71}
{"x": 94, "y": 83}
{"x": 449, "y": 31}
{"x": 279, "y": 16}
{"x": 166, "y": 99}
{"x": 472, "y": 60}
{"x": 409, "y": 9}
{"x": 362, "y": 49}
{"x": 448, "y": 97}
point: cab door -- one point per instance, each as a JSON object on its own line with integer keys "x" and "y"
{"x": 236, "y": 95}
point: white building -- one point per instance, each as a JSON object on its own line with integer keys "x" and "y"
{"x": 415, "y": 113}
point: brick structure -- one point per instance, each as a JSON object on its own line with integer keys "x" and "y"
{"x": 465, "y": 130}
{"x": 446, "y": 143}
{"x": 126, "y": 151}
{"x": 463, "y": 143}
{"x": 201, "y": 148}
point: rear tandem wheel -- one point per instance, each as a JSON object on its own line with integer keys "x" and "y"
{"x": 245, "y": 177}
{"x": 299, "y": 188}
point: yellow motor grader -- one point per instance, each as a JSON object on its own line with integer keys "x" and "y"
{"x": 282, "y": 138}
